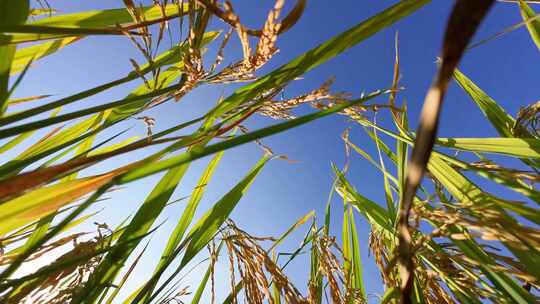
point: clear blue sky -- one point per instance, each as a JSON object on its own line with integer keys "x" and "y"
{"x": 507, "y": 68}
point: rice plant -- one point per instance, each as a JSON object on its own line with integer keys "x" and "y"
{"x": 440, "y": 238}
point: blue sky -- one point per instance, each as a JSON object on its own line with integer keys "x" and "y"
{"x": 506, "y": 68}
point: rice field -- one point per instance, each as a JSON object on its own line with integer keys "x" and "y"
{"x": 437, "y": 234}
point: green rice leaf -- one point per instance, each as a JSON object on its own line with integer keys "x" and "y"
{"x": 498, "y": 177}
{"x": 534, "y": 26}
{"x": 11, "y": 12}
{"x": 375, "y": 214}
{"x": 187, "y": 216}
{"x": 498, "y": 117}
{"x": 387, "y": 188}
{"x": 351, "y": 252}
{"x": 33, "y": 53}
{"x": 21, "y": 137}
{"x": 511, "y": 183}
{"x": 518, "y": 147}
{"x": 14, "y": 101}
{"x": 301, "y": 221}
{"x": 467, "y": 192}
{"x": 205, "y": 229}
{"x": 98, "y": 19}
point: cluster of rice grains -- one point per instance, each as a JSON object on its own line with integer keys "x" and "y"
{"x": 258, "y": 270}
{"x": 62, "y": 286}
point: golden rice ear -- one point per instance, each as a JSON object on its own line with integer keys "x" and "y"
{"x": 318, "y": 98}
{"x": 229, "y": 17}
{"x": 60, "y": 285}
{"x": 256, "y": 268}
{"x": 463, "y": 23}
{"x": 267, "y": 38}
{"x": 527, "y": 121}
{"x": 266, "y": 46}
